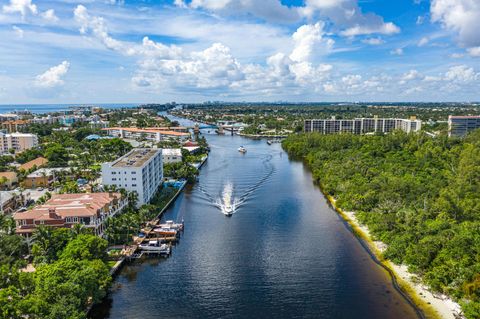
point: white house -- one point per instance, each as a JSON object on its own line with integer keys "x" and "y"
{"x": 171, "y": 155}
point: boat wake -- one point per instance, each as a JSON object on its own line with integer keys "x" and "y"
{"x": 227, "y": 202}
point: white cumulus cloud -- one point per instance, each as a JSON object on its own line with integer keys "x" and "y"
{"x": 215, "y": 69}
{"x": 475, "y": 51}
{"x": 461, "y": 73}
{"x": 307, "y": 38}
{"x": 53, "y": 77}
{"x": 348, "y": 16}
{"x": 49, "y": 15}
{"x": 269, "y": 10}
{"x": 460, "y": 16}
{"x": 23, "y": 7}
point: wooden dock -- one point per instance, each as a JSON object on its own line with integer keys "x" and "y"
{"x": 132, "y": 252}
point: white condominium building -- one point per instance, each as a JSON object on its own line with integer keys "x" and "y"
{"x": 17, "y": 141}
{"x": 141, "y": 170}
{"x": 362, "y": 125}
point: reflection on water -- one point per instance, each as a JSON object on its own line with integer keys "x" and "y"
{"x": 284, "y": 254}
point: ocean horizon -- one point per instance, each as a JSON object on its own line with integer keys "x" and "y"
{"x": 47, "y": 108}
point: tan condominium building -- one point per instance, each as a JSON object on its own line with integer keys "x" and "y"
{"x": 19, "y": 142}
{"x": 14, "y": 125}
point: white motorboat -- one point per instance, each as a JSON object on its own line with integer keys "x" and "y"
{"x": 169, "y": 224}
{"x": 228, "y": 210}
{"x": 227, "y": 203}
{"x": 242, "y": 149}
{"x": 155, "y": 246}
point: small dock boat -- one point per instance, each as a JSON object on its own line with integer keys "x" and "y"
{"x": 242, "y": 149}
{"x": 166, "y": 231}
{"x": 269, "y": 142}
{"x": 155, "y": 246}
{"x": 169, "y": 224}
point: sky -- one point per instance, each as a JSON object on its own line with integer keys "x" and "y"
{"x": 146, "y": 51}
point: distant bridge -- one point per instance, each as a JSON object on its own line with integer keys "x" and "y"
{"x": 205, "y": 126}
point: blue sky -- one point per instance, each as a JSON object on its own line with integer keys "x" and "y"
{"x": 106, "y": 51}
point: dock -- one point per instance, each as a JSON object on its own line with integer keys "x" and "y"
{"x": 133, "y": 251}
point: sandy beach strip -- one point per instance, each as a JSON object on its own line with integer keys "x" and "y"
{"x": 441, "y": 305}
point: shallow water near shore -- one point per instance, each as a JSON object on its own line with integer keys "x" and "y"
{"x": 284, "y": 253}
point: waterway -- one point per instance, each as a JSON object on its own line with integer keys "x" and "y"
{"x": 284, "y": 253}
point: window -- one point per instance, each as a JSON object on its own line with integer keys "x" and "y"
{"x": 114, "y": 179}
{"x": 134, "y": 173}
{"x": 134, "y": 179}
{"x": 114, "y": 173}
{"x": 134, "y": 185}
{"x": 75, "y": 219}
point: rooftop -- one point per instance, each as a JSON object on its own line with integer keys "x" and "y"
{"x": 47, "y": 171}
{"x": 167, "y": 128}
{"x": 464, "y": 116}
{"x": 138, "y": 130}
{"x": 39, "y": 161}
{"x": 66, "y": 205}
{"x": 136, "y": 158}
{"x": 19, "y": 134}
{"x": 8, "y": 175}
{"x": 172, "y": 152}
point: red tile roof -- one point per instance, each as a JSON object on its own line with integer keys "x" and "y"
{"x": 69, "y": 205}
{"x": 134, "y": 129}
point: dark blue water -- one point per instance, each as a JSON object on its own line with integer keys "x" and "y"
{"x": 47, "y": 108}
{"x": 283, "y": 254}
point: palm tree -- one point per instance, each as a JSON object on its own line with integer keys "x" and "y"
{"x": 132, "y": 198}
{"x": 79, "y": 229}
{"x": 42, "y": 238}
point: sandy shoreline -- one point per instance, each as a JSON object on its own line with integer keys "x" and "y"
{"x": 442, "y": 306}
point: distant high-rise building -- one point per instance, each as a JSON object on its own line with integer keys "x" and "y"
{"x": 141, "y": 170}
{"x": 362, "y": 125}
{"x": 459, "y": 126}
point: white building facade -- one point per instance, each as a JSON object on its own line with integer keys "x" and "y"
{"x": 171, "y": 155}
{"x": 141, "y": 170}
{"x": 362, "y": 125}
